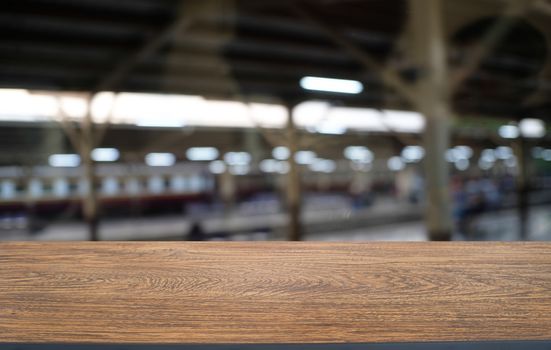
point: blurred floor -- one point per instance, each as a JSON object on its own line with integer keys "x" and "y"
{"x": 497, "y": 226}
{"x": 324, "y": 225}
{"x": 241, "y": 225}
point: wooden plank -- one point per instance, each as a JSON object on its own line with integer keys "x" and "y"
{"x": 274, "y": 292}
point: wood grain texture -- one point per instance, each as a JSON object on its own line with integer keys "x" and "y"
{"x": 273, "y": 292}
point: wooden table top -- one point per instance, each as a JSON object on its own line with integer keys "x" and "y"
{"x": 176, "y": 292}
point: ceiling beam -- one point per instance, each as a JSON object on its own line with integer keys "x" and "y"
{"x": 81, "y": 16}
{"x": 389, "y": 76}
{"x": 151, "y": 46}
{"x": 488, "y": 43}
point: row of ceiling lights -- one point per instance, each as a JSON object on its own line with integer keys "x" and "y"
{"x": 360, "y": 157}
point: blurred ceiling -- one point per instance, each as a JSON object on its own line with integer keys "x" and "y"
{"x": 259, "y": 50}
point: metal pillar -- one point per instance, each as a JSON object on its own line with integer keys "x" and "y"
{"x": 522, "y": 188}
{"x": 293, "y": 190}
{"x": 90, "y": 203}
{"x": 433, "y": 102}
{"x": 253, "y": 145}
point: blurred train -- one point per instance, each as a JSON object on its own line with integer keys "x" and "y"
{"x": 37, "y": 193}
{"x": 32, "y": 196}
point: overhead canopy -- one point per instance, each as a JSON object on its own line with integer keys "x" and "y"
{"x": 260, "y": 49}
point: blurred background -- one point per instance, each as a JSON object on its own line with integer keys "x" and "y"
{"x": 275, "y": 120}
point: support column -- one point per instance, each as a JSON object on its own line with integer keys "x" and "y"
{"x": 90, "y": 201}
{"x": 293, "y": 188}
{"x": 253, "y": 145}
{"x": 433, "y": 102}
{"x": 522, "y": 188}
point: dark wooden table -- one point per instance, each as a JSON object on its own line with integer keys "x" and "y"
{"x": 274, "y": 292}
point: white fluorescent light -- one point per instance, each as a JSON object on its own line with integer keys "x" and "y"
{"x": 412, "y": 154}
{"x": 281, "y": 153}
{"x": 532, "y": 128}
{"x": 504, "y": 152}
{"x": 358, "y": 154}
{"x": 237, "y": 158}
{"x": 160, "y": 159}
{"x": 508, "y": 131}
{"x": 105, "y": 154}
{"x": 395, "y": 163}
{"x": 305, "y": 157}
{"x": 458, "y": 152}
{"x": 488, "y": 155}
{"x": 64, "y": 160}
{"x": 463, "y": 152}
{"x": 202, "y": 153}
{"x": 332, "y": 85}
{"x": 217, "y": 167}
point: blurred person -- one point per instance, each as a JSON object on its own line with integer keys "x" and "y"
{"x": 490, "y": 192}
{"x": 228, "y": 191}
{"x": 409, "y": 185}
{"x": 360, "y": 190}
{"x": 475, "y": 204}
{"x": 417, "y": 188}
{"x": 196, "y": 233}
{"x": 460, "y": 207}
